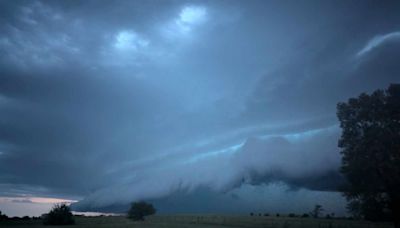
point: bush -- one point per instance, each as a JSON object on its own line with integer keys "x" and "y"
{"x": 60, "y": 214}
{"x": 3, "y": 216}
{"x": 292, "y": 215}
{"x": 305, "y": 215}
{"x": 266, "y": 214}
{"x": 139, "y": 210}
{"x": 317, "y": 211}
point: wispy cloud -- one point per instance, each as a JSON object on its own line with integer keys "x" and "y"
{"x": 378, "y": 41}
{"x": 31, "y": 199}
{"x": 186, "y": 22}
{"x": 21, "y": 201}
{"x": 129, "y": 41}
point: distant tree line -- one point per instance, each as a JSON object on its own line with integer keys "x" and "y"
{"x": 4, "y": 217}
{"x": 60, "y": 214}
{"x": 315, "y": 213}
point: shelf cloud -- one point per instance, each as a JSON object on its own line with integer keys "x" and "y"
{"x": 105, "y": 102}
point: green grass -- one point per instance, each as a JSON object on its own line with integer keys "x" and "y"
{"x": 206, "y": 221}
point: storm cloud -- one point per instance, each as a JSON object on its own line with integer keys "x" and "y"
{"x": 108, "y": 102}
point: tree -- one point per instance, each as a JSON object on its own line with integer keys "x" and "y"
{"x": 370, "y": 148}
{"x": 3, "y": 216}
{"x": 139, "y": 210}
{"x": 305, "y": 215}
{"x": 317, "y": 211}
{"x": 60, "y": 214}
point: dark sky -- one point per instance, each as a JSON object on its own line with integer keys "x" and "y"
{"x": 232, "y": 103}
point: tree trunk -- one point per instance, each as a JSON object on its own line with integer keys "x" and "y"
{"x": 396, "y": 212}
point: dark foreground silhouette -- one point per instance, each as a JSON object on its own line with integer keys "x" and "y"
{"x": 206, "y": 221}
{"x": 370, "y": 144}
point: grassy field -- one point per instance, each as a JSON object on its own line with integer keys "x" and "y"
{"x": 206, "y": 221}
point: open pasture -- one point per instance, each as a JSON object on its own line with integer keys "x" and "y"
{"x": 206, "y": 221}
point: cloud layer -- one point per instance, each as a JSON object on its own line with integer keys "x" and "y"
{"x": 109, "y": 102}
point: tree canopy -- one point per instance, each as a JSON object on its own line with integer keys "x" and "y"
{"x": 370, "y": 147}
{"x": 3, "y": 216}
{"x": 60, "y": 214}
{"x": 317, "y": 211}
{"x": 140, "y": 209}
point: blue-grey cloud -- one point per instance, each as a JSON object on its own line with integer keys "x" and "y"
{"x": 110, "y": 102}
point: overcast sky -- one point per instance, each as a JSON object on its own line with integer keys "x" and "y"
{"x": 197, "y": 106}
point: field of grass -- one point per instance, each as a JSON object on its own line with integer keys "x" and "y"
{"x": 204, "y": 221}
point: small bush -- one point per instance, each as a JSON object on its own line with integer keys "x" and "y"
{"x": 60, "y": 214}
{"x": 266, "y": 214}
{"x": 317, "y": 211}
{"x": 305, "y": 215}
{"x": 3, "y": 216}
{"x": 139, "y": 210}
{"x": 277, "y": 215}
{"x": 292, "y": 215}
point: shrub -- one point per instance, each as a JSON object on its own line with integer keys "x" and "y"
{"x": 3, "y": 216}
{"x": 317, "y": 211}
{"x": 292, "y": 215}
{"x": 60, "y": 214}
{"x": 139, "y": 210}
{"x": 266, "y": 214}
{"x": 305, "y": 215}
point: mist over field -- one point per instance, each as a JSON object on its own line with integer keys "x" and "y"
{"x": 196, "y": 106}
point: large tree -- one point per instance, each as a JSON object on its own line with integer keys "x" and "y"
{"x": 370, "y": 144}
{"x": 60, "y": 214}
{"x": 139, "y": 210}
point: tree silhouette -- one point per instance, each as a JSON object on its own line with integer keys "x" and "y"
{"x": 60, "y": 214}
{"x": 370, "y": 144}
{"x": 139, "y": 210}
{"x": 3, "y": 216}
{"x": 317, "y": 211}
